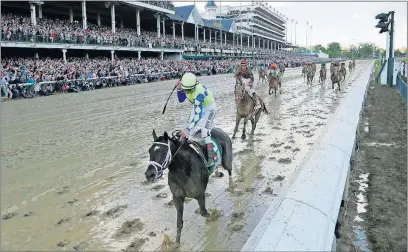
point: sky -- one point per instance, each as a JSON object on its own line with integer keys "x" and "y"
{"x": 348, "y": 23}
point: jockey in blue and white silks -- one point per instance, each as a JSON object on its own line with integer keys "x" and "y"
{"x": 203, "y": 112}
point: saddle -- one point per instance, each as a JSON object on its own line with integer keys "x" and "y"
{"x": 196, "y": 142}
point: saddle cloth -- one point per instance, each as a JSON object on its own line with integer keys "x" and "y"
{"x": 216, "y": 147}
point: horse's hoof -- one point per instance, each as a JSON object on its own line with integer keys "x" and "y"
{"x": 219, "y": 174}
{"x": 243, "y": 137}
{"x": 205, "y": 214}
{"x": 177, "y": 245}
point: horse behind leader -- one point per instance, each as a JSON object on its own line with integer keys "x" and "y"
{"x": 245, "y": 109}
{"x": 188, "y": 175}
{"x": 262, "y": 75}
{"x": 336, "y": 76}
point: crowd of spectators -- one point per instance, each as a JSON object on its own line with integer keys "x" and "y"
{"x": 163, "y": 4}
{"x": 26, "y": 78}
{"x": 19, "y": 28}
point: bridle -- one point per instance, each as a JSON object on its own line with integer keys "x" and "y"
{"x": 161, "y": 167}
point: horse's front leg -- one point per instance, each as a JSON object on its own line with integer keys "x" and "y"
{"x": 179, "y": 204}
{"x": 237, "y": 121}
{"x": 244, "y": 130}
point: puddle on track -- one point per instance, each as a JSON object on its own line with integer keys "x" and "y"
{"x": 90, "y": 149}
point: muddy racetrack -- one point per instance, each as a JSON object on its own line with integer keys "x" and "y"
{"x": 73, "y": 165}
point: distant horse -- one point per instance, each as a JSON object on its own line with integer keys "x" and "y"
{"x": 262, "y": 75}
{"x": 350, "y": 66}
{"x": 343, "y": 71}
{"x": 274, "y": 84}
{"x": 188, "y": 175}
{"x": 245, "y": 106}
{"x": 323, "y": 73}
{"x": 282, "y": 69}
{"x": 310, "y": 75}
{"x": 336, "y": 77}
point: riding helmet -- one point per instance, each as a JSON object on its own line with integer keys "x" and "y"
{"x": 273, "y": 67}
{"x": 188, "y": 81}
{"x": 244, "y": 62}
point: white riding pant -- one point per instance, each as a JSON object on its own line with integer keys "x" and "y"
{"x": 249, "y": 89}
{"x": 206, "y": 122}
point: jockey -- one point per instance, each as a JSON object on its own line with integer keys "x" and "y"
{"x": 245, "y": 73}
{"x": 203, "y": 112}
{"x": 274, "y": 70}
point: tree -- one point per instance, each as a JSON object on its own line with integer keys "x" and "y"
{"x": 365, "y": 50}
{"x": 319, "y": 47}
{"x": 334, "y": 50}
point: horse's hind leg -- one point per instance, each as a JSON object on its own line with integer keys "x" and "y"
{"x": 201, "y": 204}
{"x": 179, "y": 204}
{"x": 227, "y": 157}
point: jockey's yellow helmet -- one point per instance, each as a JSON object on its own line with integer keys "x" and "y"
{"x": 188, "y": 81}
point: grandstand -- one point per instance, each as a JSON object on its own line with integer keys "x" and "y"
{"x": 96, "y": 44}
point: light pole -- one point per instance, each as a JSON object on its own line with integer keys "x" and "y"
{"x": 311, "y": 35}
{"x": 307, "y": 26}
{"x": 291, "y": 31}
{"x": 295, "y": 33}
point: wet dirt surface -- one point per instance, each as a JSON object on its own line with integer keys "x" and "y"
{"x": 79, "y": 160}
{"x": 375, "y": 216}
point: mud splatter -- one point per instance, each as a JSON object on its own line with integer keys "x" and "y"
{"x": 91, "y": 213}
{"x": 170, "y": 203}
{"x": 287, "y": 147}
{"x": 236, "y": 216}
{"x": 116, "y": 211}
{"x": 63, "y": 243}
{"x": 8, "y": 216}
{"x": 71, "y": 202}
{"x": 81, "y": 246}
{"x": 285, "y": 160}
{"x": 250, "y": 189}
{"x": 29, "y": 214}
{"x": 62, "y": 221}
{"x": 168, "y": 245}
{"x": 152, "y": 234}
{"x": 162, "y": 195}
{"x": 215, "y": 214}
{"x": 278, "y": 178}
{"x": 237, "y": 227}
{"x": 136, "y": 244}
{"x": 296, "y": 150}
{"x": 129, "y": 227}
{"x": 276, "y": 145}
{"x": 268, "y": 190}
{"x": 158, "y": 187}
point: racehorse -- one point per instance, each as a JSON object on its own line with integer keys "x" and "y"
{"x": 309, "y": 74}
{"x": 282, "y": 68}
{"x": 188, "y": 175}
{"x": 343, "y": 71}
{"x": 335, "y": 76}
{"x": 304, "y": 72}
{"x": 245, "y": 106}
{"x": 323, "y": 73}
{"x": 262, "y": 75}
{"x": 350, "y": 66}
{"x": 274, "y": 84}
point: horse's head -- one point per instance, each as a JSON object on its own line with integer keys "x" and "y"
{"x": 160, "y": 156}
{"x": 239, "y": 92}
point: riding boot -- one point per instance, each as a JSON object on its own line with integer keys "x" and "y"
{"x": 211, "y": 155}
{"x": 256, "y": 105}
